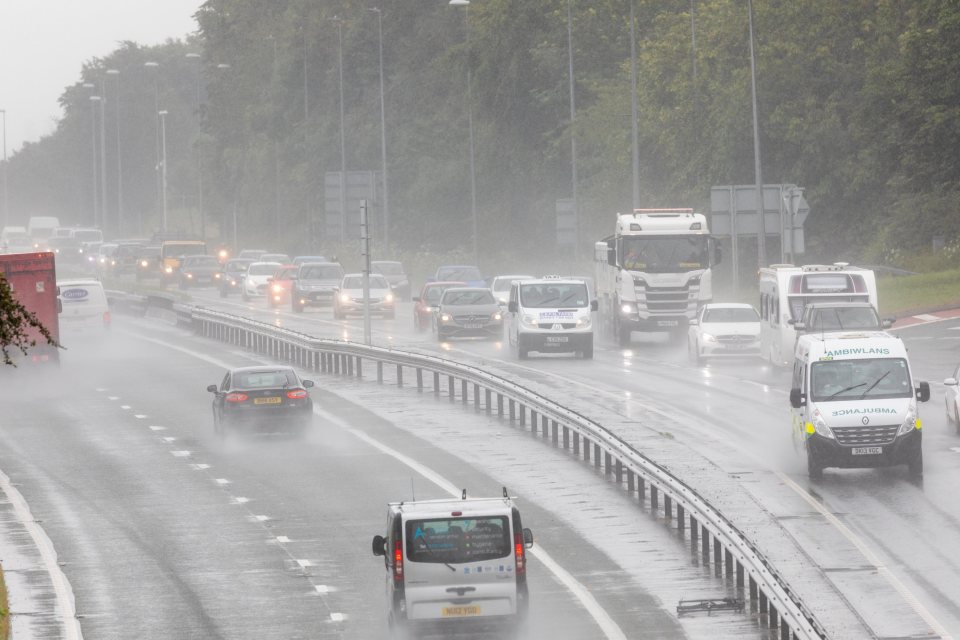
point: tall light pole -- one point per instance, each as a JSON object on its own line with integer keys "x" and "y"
{"x": 93, "y": 136}
{"x": 343, "y": 144}
{"x": 103, "y": 154}
{"x": 163, "y": 165}
{"x": 223, "y": 66}
{"x": 383, "y": 137}
{"x": 116, "y": 73}
{"x": 473, "y": 173}
{"x": 6, "y": 198}
{"x": 634, "y": 116}
{"x": 156, "y": 118}
{"x": 573, "y": 138}
{"x": 762, "y": 228}
{"x": 203, "y": 222}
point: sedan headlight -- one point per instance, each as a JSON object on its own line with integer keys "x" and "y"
{"x": 168, "y": 269}
{"x": 445, "y": 317}
{"x": 911, "y": 422}
{"x": 388, "y": 297}
{"x": 497, "y": 317}
{"x": 144, "y": 264}
{"x": 707, "y": 337}
{"x": 344, "y": 297}
{"x": 189, "y": 276}
{"x": 819, "y": 425}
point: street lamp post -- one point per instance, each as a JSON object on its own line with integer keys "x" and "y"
{"x": 343, "y": 144}
{"x": 634, "y": 116}
{"x": 103, "y": 154}
{"x": 762, "y": 228}
{"x": 203, "y": 222}
{"x": 573, "y": 138}
{"x": 163, "y": 166}
{"x": 156, "y": 110}
{"x": 116, "y": 74}
{"x": 6, "y": 199}
{"x": 93, "y": 131}
{"x": 383, "y": 137}
{"x": 473, "y": 173}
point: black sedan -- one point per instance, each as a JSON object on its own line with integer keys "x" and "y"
{"x": 262, "y": 400}
{"x": 232, "y": 274}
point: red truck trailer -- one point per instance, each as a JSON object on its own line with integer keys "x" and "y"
{"x": 33, "y": 279}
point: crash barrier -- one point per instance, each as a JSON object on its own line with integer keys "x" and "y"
{"x": 719, "y": 542}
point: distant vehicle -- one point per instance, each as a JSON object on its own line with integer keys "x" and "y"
{"x": 395, "y": 275}
{"x": 262, "y": 399}
{"x": 12, "y": 232}
{"x": 252, "y": 254}
{"x": 463, "y": 273}
{"x": 198, "y": 271}
{"x": 468, "y": 311}
{"x": 257, "y": 280}
{"x": 786, "y": 290}
{"x": 425, "y": 305}
{"x": 19, "y": 243}
{"x": 500, "y": 286}
{"x": 173, "y": 251}
{"x": 435, "y": 550}
{"x": 854, "y": 402}
{"x": 282, "y": 258}
{"x": 104, "y": 261}
{"x": 126, "y": 256}
{"x": 33, "y": 279}
{"x": 349, "y": 298}
{"x": 840, "y": 316}
{"x": 87, "y": 235}
{"x": 550, "y": 315}
{"x": 281, "y": 285}
{"x": 83, "y": 306}
{"x": 149, "y": 263}
{"x": 232, "y": 274}
{"x": 299, "y": 260}
{"x": 40, "y": 228}
{"x": 316, "y": 284}
{"x": 724, "y": 330}
{"x": 67, "y": 249}
{"x": 952, "y": 398}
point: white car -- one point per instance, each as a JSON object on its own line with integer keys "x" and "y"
{"x": 257, "y": 280}
{"x": 501, "y": 287}
{"x": 348, "y": 297}
{"x": 724, "y": 330}
{"x": 952, "y": 398}
{"x": 83, "y": 305}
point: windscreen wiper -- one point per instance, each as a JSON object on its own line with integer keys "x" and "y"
{"x": 875, "y": 383}
{"x": 850, "y": 388}
{"x": 430, "y": 550}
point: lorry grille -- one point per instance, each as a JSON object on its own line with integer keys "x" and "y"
{"x": 667, "y": 300}
{"x": 867, "y": 435}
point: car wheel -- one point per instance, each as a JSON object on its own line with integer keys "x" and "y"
{"x": 623, "y": 335}
{"x": 587, "y": 353}
{"x": 814, "y": 467}
{"x": 522, "y": 351}
{"x": 915, "y": 466}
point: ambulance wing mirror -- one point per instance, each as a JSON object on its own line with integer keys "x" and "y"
{"x": 379, "y": 546}
{"x": 527, "y": 538}
{"x": 594, "y": 305}
{"x": 888, "y": 322}
{"x": 512, "y": 306}
{"x": 923, "y": 392}
{"x": 796, "y": 398}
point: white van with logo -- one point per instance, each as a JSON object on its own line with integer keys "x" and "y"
{"x": 550, "y": 315}
{"x": 854, "y": 402}
{"x": 454, "y": 565}
{"x": 83, "y": 305}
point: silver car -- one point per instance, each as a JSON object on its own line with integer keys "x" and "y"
{"x": 468, "y": 311}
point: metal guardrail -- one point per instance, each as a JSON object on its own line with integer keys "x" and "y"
{"x": 733, "y": 555}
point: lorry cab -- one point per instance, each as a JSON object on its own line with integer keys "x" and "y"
{"x": 550, "y": 315}
{"x": 854, "y": 401}
{"x": 452, "y": 563}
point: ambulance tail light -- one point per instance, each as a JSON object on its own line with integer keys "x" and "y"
{"x": 518, "y": 548}
{"x": 398, "y": 562}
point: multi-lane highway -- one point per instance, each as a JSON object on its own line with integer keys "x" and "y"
{"x": 163, "y": 530}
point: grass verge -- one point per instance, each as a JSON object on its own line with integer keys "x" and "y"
{"x": 4, "y": 609}
{"x": 900, "y": 296}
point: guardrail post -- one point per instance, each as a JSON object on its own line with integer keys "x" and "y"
{"x": 487, "y": 395}
{"x": 694, "y": 532}
{"x": 513, "y": 409}
{"x": 359, "y": 367}
{"x": 544, "y": 426}
{"x": 740, "y": 578}
{"x": 607, "y": 462}
{"x": 566, "y": 437}
{"x": 784, "y": 630}
{"x": 728, "y": 562}
{"x": 523, "y": 414}
{"x": 499, "y": 404}
{"x": 586, "y": 449}
{"x": 419, "y": 379}
{"x": 705, "y": 546}
{"x": 380, "y": 371}
{"x": 629, "y": 480}
{"x": 556, "y": 431}
{"x": 576, "y": 443}
{"x": 596, "y": 456}
{"x": 772, "y": 617}
{"x": 436, "y": 383}
{"x": 763, "y": 605}
{"x": 399, "y": 375}
{"x": 336, "y": 364}
{"x": 533, "y": 422}
{"x": 641, "y": 488}
{"x": 476, "y": 395}
{"x": 349, "y": 365}
{"x": 451, "y": 388}
{"x": 654, "y": 498}
{"x": 667, "y": 507}
{"x": 717, "y": 557}
{"x": 753, "y": 594}
{"x": 463, "y": 391}
{"x": 618, "y": 471}
{"x": 681, "y": 519}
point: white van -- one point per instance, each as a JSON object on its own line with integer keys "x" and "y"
{"x": 84, "y": 305}
{"x": 550, "y": 315}
{"x": 854, "y": 402}
{"x": 451, "y": 564}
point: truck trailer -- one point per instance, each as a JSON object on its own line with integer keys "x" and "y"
{"x": 33, "y": 280}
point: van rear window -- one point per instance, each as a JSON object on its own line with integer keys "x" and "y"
{"x": 458, "y": 540}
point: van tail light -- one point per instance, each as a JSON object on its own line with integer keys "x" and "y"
{"x": 521, "y": 559}
{"x": 236, "y": 397}
{"x": 398, "y": 562}
{"x": 106, "y": 318}
{"x": 298, "y": 394}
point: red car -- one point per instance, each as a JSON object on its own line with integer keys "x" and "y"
{"x": 278, "y": 291}
{"x": 427, "y": 302}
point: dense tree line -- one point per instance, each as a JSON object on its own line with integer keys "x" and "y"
{"x": 859, "y": 103}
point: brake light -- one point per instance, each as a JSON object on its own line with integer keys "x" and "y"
{"x": 518, "y": 553}
{"x": 236, "y": 397}
{"x": 106, "y": 318}
{"x": 297, "y": 394}
{"x": 398, "y": 561}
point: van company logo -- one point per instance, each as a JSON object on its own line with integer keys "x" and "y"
{"x": 858, "y": 351}
{"x": 74, "y": 294}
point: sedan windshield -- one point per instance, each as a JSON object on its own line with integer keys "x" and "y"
{"x": 356, "y": 282}
{"x": 467, "y": 297}
{"x": 263, "y": 269}
{"x": 737, "y": 314}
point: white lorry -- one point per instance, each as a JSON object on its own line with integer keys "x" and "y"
{"x": 654, "y": 273}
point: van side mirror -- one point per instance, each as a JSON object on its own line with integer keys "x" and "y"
{"x": 796, "y": 398}
{"x": 512, "y": 306}
{"x": 612, "y": 252}
{"x": 693, "y": 322}
{"x": 594, "y": 305}
{"x": 212, "y": 388}
{"x": 923, "y": 392}
{"x": 950, "y": 382}
{"x": 527, "y": 538}
{"x": 379, "y": 546}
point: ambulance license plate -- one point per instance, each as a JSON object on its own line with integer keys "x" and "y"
{"x": 460, "y": 612}
{"x": 867, "y": 451}
{"x": 558, "y": 339}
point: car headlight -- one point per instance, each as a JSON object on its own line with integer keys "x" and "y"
{"x": 388, "y": 297}
{"x": 277, "y": 288}
{"x": 217, "y": 276}
{"x": 529, "y": 321}
{"x": 168, "y": 269}
{"x": 445, "y": 317}
{"x": 707, "y": 337}
{"x": 628, "y": 308}
{"x": 819, "y": 425}
{"x": 189, "y": 276}
{"x": 344, "y": 297}
{"x": 497, "y": 317}
{"x": 911, "y": 422}
{"x": 144, "y": 264}
{"x": 584, "y": 322}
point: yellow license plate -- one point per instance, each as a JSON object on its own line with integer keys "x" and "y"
{"x": 267, "y": 401}
{"x": 459, "y": 612}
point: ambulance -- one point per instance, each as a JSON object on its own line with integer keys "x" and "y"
{"x": 854, "y": 402}
{"x": 454, "y": 565}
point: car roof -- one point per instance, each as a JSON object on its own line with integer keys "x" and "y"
{"x": 76, "y": 282}
{"x": 276, "y": 264}
{"x": 835, "y": 305}
{"x": 261, "y": 369}
{"x": 385, "y": 262}
{"x": 444, "y": 507}
{"x": 444, "y": 283}
{"x": 467, "y": 288}
{"x": 729, "y": 305}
